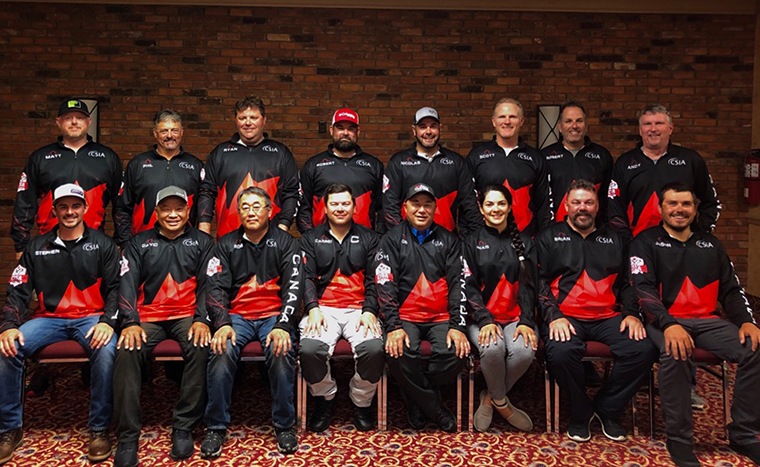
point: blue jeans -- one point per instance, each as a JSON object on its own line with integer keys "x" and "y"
{"x": 39, "y": 333}
{"x": 221, "y": 375}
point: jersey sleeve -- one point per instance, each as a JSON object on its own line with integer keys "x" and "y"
{"x": 129, "y": 286}
{"x": 617, "y": 205}
{"x": 218, "y": 285}
{"x": 288, "y": 190}
{"x": 385, "y": 270}
{"x": 392, "y": 196}
{"x": 730, "y": 293}
{"x": 646, "y": 285}
{"x": 25, "y": 207}
{"x": 18, "y": 293}
{"x": 110, "y": 283}
{"x": 304, "y": 220}
{"x": 311, "y": 295}
{"x": 124, "y": 207}
{"x": 471, "y": 276}
{"x": 709, "y": 205}
{"x": 541, "y": 196}
{"x": 547, "y": 302}
{"x": 370, "y": 292}
{"x": 527, "y": 290}
{"x": 208, "y": 191}
{"x": 291, "y": 271}
{"x": 469, "y": 214}
{"x": 201, "y": 314}
{"x": 454, "y": 279}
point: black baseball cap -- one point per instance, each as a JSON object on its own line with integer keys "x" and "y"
{"x": 73, "y": 105}
{"x": 418, "y": 188}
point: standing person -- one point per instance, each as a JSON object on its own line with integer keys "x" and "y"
{"x": 500, "y": 285}
{"x": 418, "y": 273}
{"x": 76, "y": 158}
{"x": 248, "y": 159}
{"x": 75, "y": 271}
{"x": 147, "y": 173}
{"x": 576, "y": 157}
{"x": 445, "y": 171}
{"x": 584, "y": 285}
{"x": 253, "y": 292}
{"x": 680, "y": 274}
{"x": 343, "y": 162}
{"x": 639, "y": 175}
{"x": 507, "y": 160}
{"x": 161, "y": 296}
{"x": 340, "y": 301}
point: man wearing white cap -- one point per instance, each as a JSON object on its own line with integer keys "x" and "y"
{"x": 444, "y": 170}
{"x": 342, "y": 162}
{"x": 77, "y": 302}
{"x": 76, "y": 158}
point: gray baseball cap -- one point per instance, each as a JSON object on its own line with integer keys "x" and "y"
{"x": 171, "y": 191}
{"x": 424, "y": 113}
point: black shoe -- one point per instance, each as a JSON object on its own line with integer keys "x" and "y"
{"x": 364, "y": 420}
{"x": 446, "y": 420}
{"x": 682, "y": 454}
{"x": 579, "y": 431}
{"x": 212, "y": 444}
{"x": 416, "y": 416}
{"x": 591, "y": 378}
{"x": 182, "y": 444}
{"x": 320, "y": 419}
{"x": 287, "y": 443}
{"x": 126, "y": 454}
{"x": 612, "y": 428}
{"x": 751, "y": 450}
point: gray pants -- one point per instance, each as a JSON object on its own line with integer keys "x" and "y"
{"x": 504, "y": 362}
{"x": 720, "y": 337}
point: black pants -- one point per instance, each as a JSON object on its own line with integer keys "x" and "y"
{"x": 127, "y": 378}
{"x": 420, "y": 387}
{"x": 633, "y": 360}
{"x": 720, "y": 337}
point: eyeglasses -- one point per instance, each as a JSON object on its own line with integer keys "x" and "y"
{"x": 256, "y": 207}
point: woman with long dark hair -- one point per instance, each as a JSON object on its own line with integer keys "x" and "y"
{"x": 500, "y": 278}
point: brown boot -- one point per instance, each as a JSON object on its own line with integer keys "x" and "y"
{"x": 100, "y": 446}
{"x": 9, "y": 441}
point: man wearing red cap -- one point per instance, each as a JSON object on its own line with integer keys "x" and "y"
{"x": 342, "y": 162}
{"x": 75, "y": 157}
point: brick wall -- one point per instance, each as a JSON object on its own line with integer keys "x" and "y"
{"x": 307, "y": 62}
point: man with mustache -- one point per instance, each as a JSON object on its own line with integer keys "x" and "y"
{"x": 343, "y": 162}
{"x": 444, "y": 170}
{"x": 74, "y": 158}
{"x": 583, "y": 286}
{"x": 679, "y": 275}
{"x": 165, "y": 165}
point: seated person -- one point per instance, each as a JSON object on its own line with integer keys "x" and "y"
{"x": 582, "y": 268}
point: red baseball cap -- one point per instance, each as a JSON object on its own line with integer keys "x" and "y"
{"x": 345, "y": 115}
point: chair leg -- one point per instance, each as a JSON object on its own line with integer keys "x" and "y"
{"x": 471, "y": 396}
{"x": 459, "y": 402}
{"x": 382, "y": 408}
{"x": 633, "y": 415}
{"x": 651, "y": 402}
{"x": 556, "y": 407}
{"x": 301, "y": 391}
{"x": 726, "y": 407}
{"x": 548, "y": 397}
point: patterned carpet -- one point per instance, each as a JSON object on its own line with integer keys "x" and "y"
{"x": 56, "y": 432}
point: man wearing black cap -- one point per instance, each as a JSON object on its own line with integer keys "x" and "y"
{"x": 343, "y": 162}
{"x": 443, "y": 170}
{"x": 75, "y": 271}
{"x": 76, "y": 158}
{"x": 418, "y": 273}
{"x": 147, "y": 173}
{"x": 162, "y": 296}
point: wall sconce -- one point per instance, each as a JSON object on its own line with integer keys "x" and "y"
{"x": 94, "y": 130}
{"x": 548, "y": 118}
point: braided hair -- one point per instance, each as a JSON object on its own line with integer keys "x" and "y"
{"x": 527, "y": 268}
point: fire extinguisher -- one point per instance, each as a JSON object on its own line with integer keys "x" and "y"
{"x": 752, "y": 177}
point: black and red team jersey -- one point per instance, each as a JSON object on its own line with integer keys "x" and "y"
{"x": 339, "y": 274}
{"x": 523, "y": 171}
{"x": 584, "y": 278}
{"x": 362, "y": 172}
{"x": 72, "y": 279}
{"x": 636, "y": 180}
{"x": 232, "y": 167}
{"x": 446, "y": 174}
{"x": 146, "y": 175}
{"x": 592, "y": 163}
{"x": 255, "y": 281}
{"x": 94, "y": 167}
{"x": 675, "y": 279}
{"x": 420, "y": 283}
{"x": 491, "y": 274}
{"x": 163, "y": 279}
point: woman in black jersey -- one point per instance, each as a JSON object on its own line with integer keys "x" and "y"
{"x": 500, "y": 278}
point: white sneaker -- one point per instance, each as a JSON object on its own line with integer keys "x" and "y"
{"x": 483, "y": 416}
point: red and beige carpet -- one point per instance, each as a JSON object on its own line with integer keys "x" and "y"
{"x": 56, "y": 433}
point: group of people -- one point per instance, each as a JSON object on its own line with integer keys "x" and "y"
{"x": 486, "y": 254}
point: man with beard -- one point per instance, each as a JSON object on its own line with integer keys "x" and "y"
{"x": 583, "y": 285}
{"x": 75, "y": 271}
{"x": 248, "y": 159}
{"x": 443, "y": 170}
{"x": 162, "y": 296}
{"x": 680, "y": 274}
{"x": 576, "y": 157}
{"x": 76, "y": 158}
{"x": 343, "y": 162}
{"x": 639, "y": 175}
{"x": 508, "y": 161}
{"x": 340, "y": 300}
{"x": 147, "y": 173}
